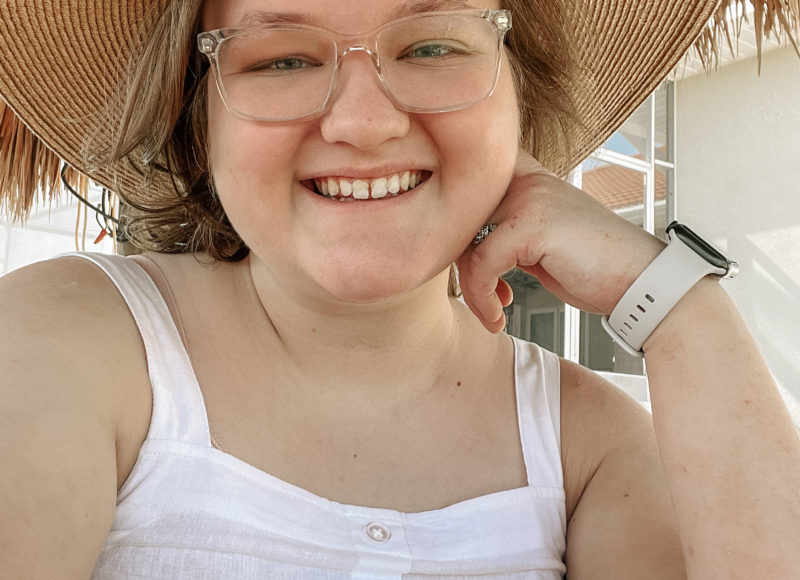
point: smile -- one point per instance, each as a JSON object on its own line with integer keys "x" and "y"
{"x": 344, "y": 189}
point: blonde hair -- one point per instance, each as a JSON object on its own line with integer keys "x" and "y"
{"x": 159, "y": 115}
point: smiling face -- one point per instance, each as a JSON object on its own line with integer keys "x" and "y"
{"x": 422, "y": 184}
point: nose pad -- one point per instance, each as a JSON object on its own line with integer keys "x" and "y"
{"x": 362, "y": 111}
{"x": 363, "y": 49}
{"x": 375, "y": 65}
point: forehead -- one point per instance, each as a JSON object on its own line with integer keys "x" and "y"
{"x": 345, "y": 16}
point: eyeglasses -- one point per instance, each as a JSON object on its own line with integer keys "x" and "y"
{"x": 427, "y": 63}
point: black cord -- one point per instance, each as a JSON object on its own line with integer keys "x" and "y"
{"x": 104, "y": 224}
{"x": 100, "y": 212}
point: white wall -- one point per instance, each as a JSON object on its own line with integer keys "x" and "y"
{"x": 738, "y": 183}
{"x": 49, "y": 231}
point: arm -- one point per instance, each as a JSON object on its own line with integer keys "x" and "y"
{"x": 58, "y": 421}
{"x": 728, "y": 445}
{"x": 620, "y": 519}
{"x": 730, "y": 453}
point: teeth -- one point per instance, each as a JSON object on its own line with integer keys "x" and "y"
{"x": 393, "y": 185}
{"x": 405, "y": 181}
{"x": 333, "y": 187}
{"x": 361, "y": 189}
{"x": 379, "y": 188}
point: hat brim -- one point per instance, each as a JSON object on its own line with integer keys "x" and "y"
{"x": 61, "y": 60}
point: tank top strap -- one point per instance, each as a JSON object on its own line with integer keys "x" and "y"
{"x": 179, "y": 412}
{"x": 538, "y": 388}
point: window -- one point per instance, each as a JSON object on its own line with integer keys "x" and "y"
{"x": 633, "y": 174}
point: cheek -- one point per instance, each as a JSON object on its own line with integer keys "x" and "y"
{"x": 482, "y": 141}
{"x": 241, "y": 150}
{"x": 247, "y": 159}
{"x": 253, "y": 172}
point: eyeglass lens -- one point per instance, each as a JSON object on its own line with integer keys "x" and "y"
{"x": 437, "y": 62}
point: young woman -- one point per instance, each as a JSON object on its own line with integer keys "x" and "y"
{"x": 284, "y": 387}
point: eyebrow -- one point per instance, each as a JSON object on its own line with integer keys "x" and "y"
{"x": 268, "y": 17}
{"x": 407, "y": 9}
{"x": 418, "y": 6}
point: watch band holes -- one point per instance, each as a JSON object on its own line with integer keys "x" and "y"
{"x": 628, "y": 326}
{"x": 650, "y": 298}
{"x": 634, "y": 318}
{"x": 622, "y": 332}
{"x": 641, "y": 308}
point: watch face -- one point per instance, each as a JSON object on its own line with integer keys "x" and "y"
{"x": 705, "y": 250}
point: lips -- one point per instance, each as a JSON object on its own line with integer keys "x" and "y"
{"x": 358, "y": 189}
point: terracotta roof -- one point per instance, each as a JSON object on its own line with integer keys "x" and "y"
{"x": 617, "y": 187}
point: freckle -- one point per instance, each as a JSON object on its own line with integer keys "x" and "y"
{"x": 747, "y": 401}
{"x": 313, "y": 330}
{"x": 626, "y": 495}
{"x": 355, "y": 455}
{"x": 458, "y": 384}
{"x": 683, "y": 468}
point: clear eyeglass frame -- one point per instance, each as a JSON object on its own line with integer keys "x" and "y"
{"x": 210, "y": 42}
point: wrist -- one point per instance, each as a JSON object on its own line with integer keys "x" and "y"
{"x": 697, "y": 308}
{"x": 687, "y": 260}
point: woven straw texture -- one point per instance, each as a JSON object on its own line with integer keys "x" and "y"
{"x": 60, "y": 61}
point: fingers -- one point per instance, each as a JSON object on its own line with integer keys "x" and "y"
{"x": 480, "y": 268}
{"x": 504, "y": 292}
{"x": 580, "y": 251}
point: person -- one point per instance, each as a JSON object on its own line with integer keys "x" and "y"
{"x": 283, "y": 386}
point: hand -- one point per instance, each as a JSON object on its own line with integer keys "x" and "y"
{"x": 580, "y": 251}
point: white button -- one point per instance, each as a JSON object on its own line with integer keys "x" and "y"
{"x": 377, "y": 532}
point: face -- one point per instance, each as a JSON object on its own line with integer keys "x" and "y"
{"x": 376, "y": 248}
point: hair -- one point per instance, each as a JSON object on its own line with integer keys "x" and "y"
{"x": 159, "y": 115}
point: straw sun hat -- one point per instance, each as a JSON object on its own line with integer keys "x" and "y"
{"x": 60, "y": 60}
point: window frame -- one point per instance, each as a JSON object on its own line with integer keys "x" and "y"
{"x": 635, "y": 385}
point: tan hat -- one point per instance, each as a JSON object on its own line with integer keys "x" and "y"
{"x": 61, "y": 59}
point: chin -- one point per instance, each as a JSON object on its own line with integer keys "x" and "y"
{"x": 367, "y": 287}
{"x": 361, "y": 291}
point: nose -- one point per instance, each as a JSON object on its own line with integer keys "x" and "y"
{"x": 361, "y": 113}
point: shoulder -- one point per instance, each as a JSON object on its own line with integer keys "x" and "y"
{"x": 69, "y": 336}
{"x": 49, "y": 302}
{"x": 73, "y": 382}
{"x": 68, "y": 332}
{"x": 596, "y": 418}
{"x": 63, "y": 298}
{"x": 620, "y": 519}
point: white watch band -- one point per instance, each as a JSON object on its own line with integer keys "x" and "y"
{"x": 655, "y": 292}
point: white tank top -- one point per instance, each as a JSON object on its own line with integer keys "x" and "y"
{"x": 191, "y": 511}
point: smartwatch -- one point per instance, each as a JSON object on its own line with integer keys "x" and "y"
{"x": 686, "y": 259}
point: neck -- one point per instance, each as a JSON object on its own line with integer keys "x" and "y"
{"x": 403, "y": 341}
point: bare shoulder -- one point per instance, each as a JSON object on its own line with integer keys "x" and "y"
{"x": 596, "y": 418}
{"x": 71, "y": 366}
{"x": 620, "y": 519}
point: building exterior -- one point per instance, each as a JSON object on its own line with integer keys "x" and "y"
{"x": 738, "y": 181}
{"x": 720, "y": 152}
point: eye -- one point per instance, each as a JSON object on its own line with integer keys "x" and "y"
{"x": 286, "y": 64}
{"x": 293, "y": 63}
{"x": 431, "y": 49}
